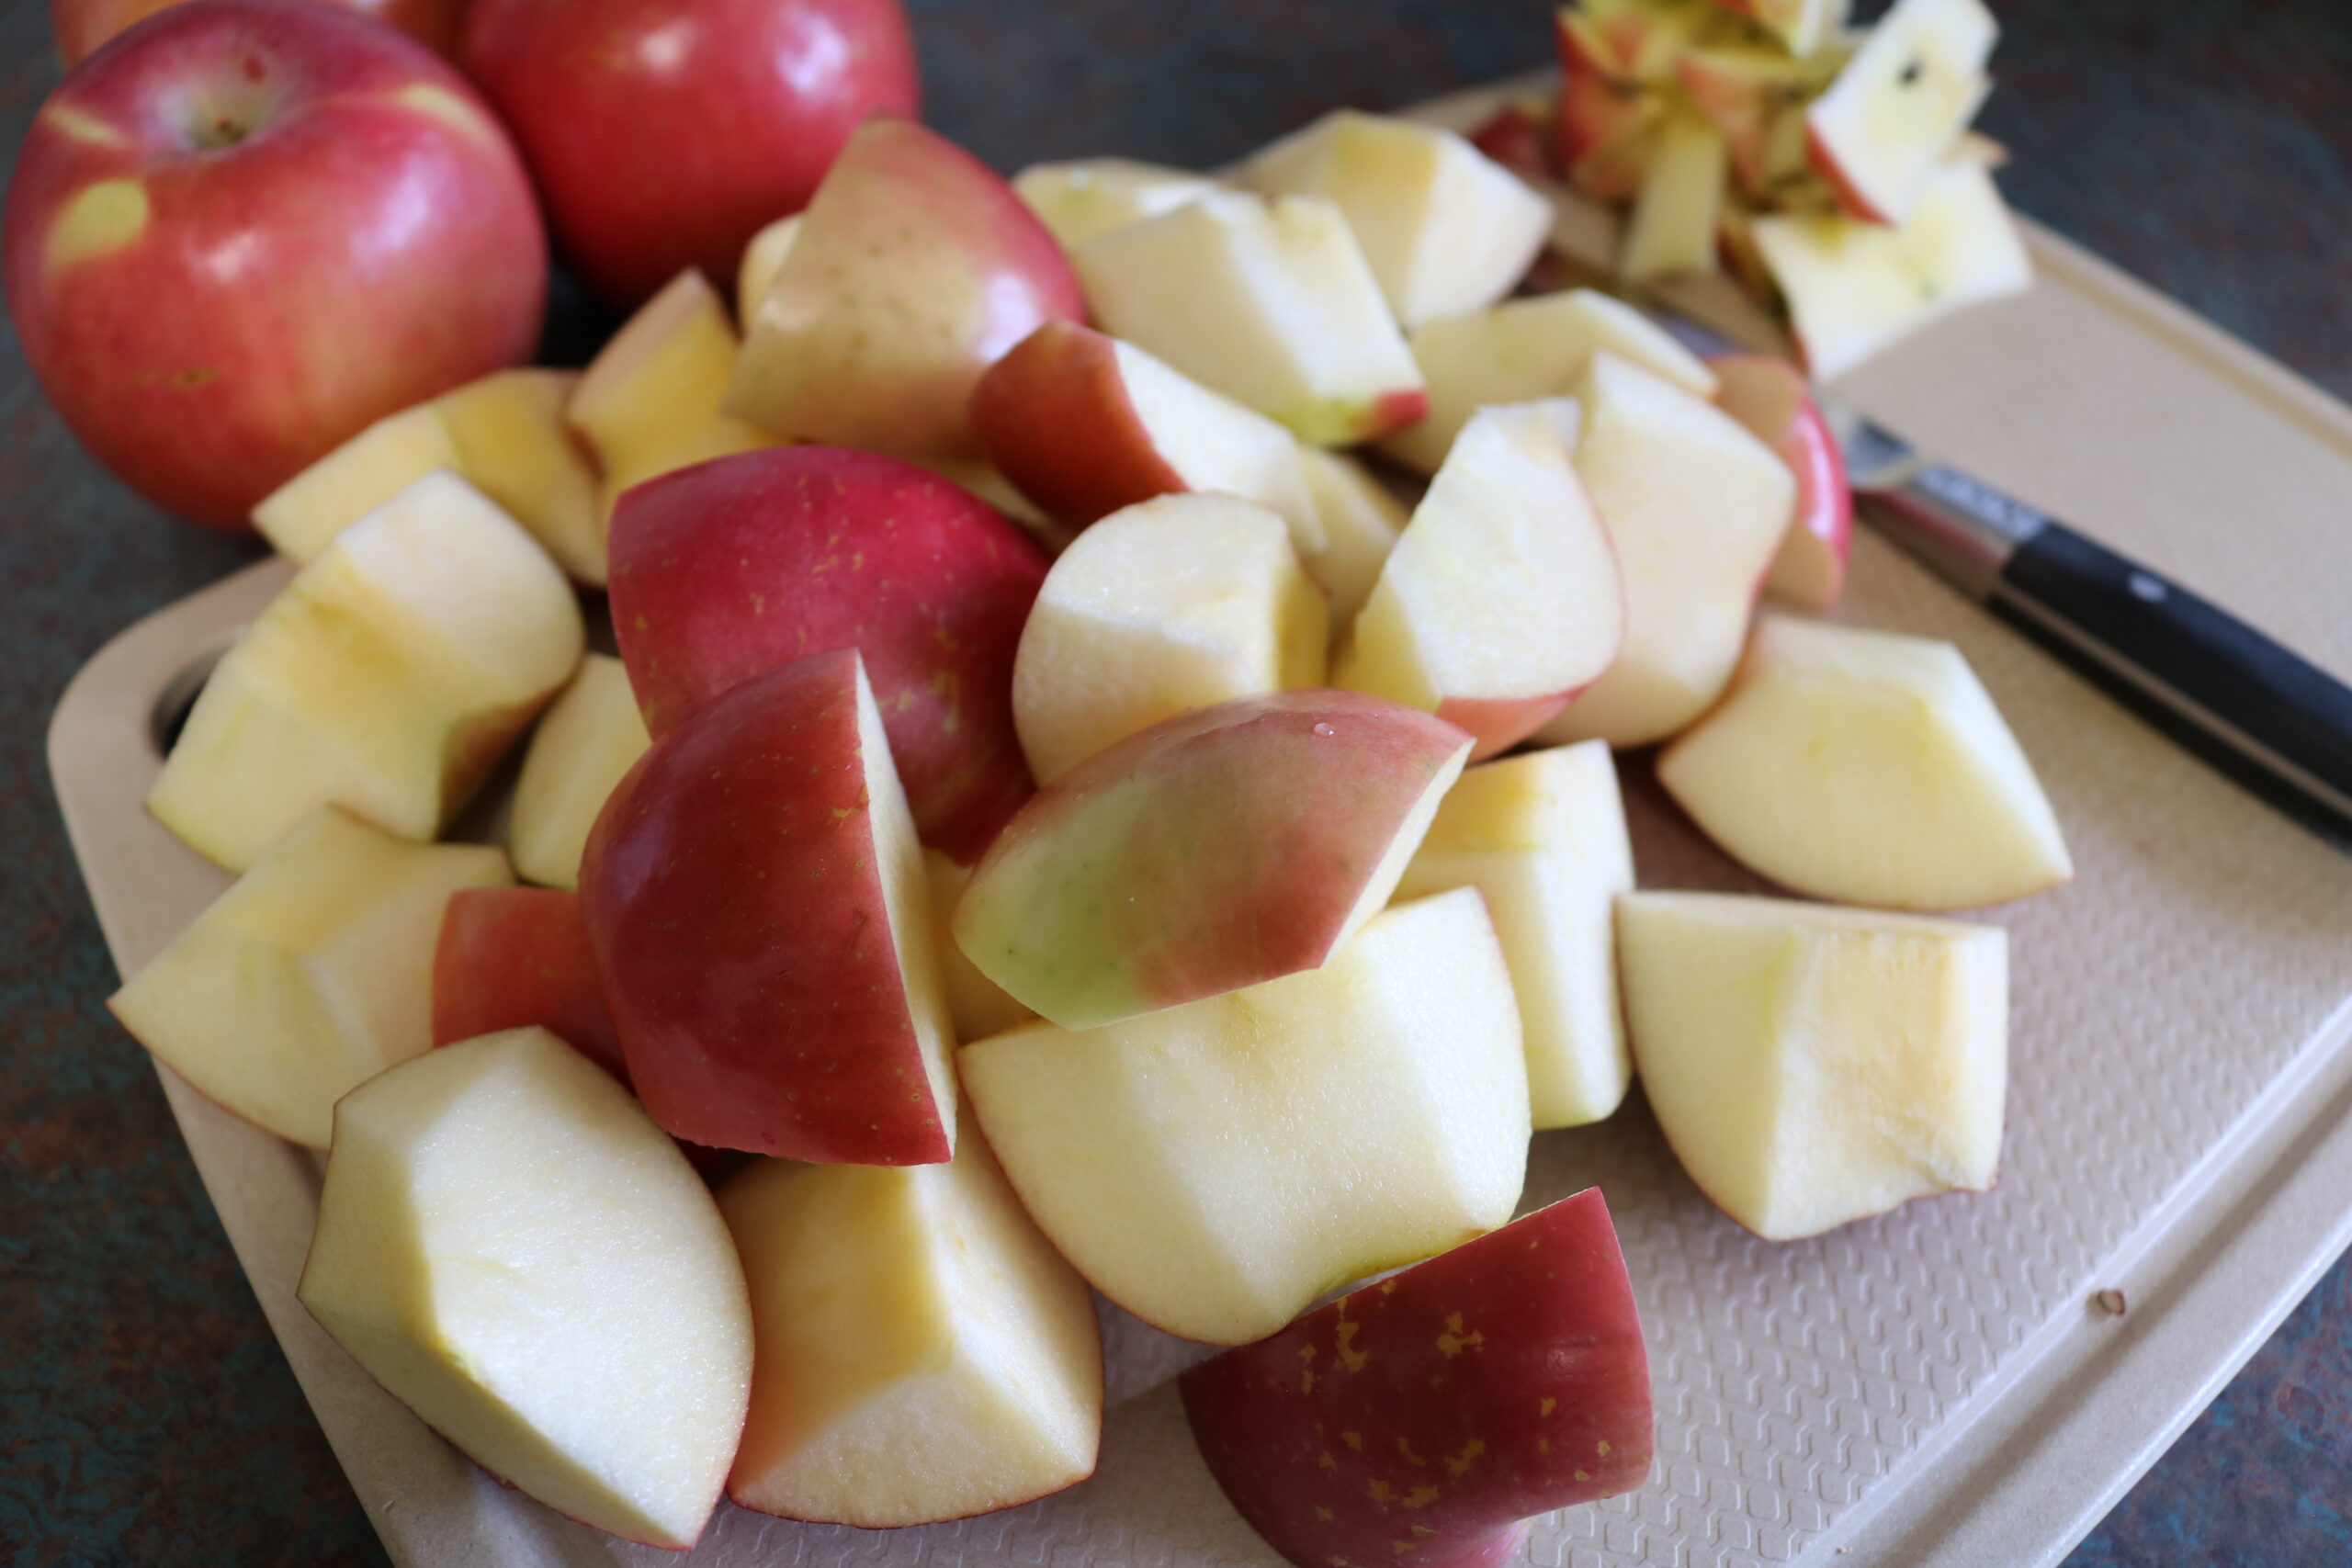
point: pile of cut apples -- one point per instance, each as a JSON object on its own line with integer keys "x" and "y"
{"x": 1057, "y": 821}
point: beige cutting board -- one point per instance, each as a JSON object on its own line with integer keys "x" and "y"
{"x": 1931, "y": 1389}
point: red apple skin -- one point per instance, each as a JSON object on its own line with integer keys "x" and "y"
{"x": 1520, "y": 137}
{"x": 665, "y": 133}
{"x": 1501, "y": 723}
{"x": 1056, "y": 419}
{"x": 1601, "y": 123}
{"x": 1426, "y": 1417}
{"x": 1768, "y": 397}
{"x": 252, "y": 306}
{"x": 1850, "y": 198}
{"x": 83, "y": 25}
{"x": 734, "y": 903}
{"x": 730, "y": 568}
{"x": 513, "y": 957}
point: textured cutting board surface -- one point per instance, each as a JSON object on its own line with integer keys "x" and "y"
{"x": 2179, "y": 1061}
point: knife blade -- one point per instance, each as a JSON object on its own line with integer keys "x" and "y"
{"x": 2246, "y": 703}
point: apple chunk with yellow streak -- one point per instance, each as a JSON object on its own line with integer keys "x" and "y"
{"x": 1543, "y": 837}
{"x": 517, "y": 1253}
{"x": 1186, "y": 1162}
{"x": 1174, "y": 605}
{"x": 1814, "y": 1065}
{"x": 921, "y": 1352}
{"x": 311, "y": 976}
{"x": 1224, "y": 847}
{"x": 587, "y": 741}
{"x": 1867, "y": 768}
{"x": 1426, "y": 1417}
{"x": 387, "y": 678}
{"x": 1502, "y": 599}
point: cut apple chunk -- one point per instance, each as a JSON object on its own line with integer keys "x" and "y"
{"x": 762, "y": 921}
{"x": 1802, "y": 27}
{"x": 921, "y": 1352}
{"x": 1696, "y": 507}
{"x": 1264, "y": 831}
{"x": 1771, "y": 400}
{"x": 1178, "y": 603}
{"x": 1085, "y": 424}
{"x": 1359, "y": 520}
{"x": 1445, "y": 228}
{"x": 1900, "y": 104}
{"x": 387, "y": 678}
{"x": 1504, "y": 1379}
{"x": 510, "y": 1247}
{"x": 589, "y": 737}
{"x": 1814, "y": 1065}
{"x": 518, "y": 958}
{"x": 976, "y": 1004}
{"x": 1673, "y": 228}
{"x": 1184, "y": 1162}
{"x": 1543, "y": 837}
{"x": 762, "y": 261}
{"x": 1855, "y": 287}
{"x": 1867, "y": 768}
{"x": 1526, "y": 349}
{"x": 1079, "y": 200}
{"x": 1270, "y": 301}
{"x": 309, "y": 976}
{"x": 1502, "y": 599}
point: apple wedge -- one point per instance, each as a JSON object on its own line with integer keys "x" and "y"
{"x": 311, "y": 976}
{"x": 1672, "y": 232}
{"x": 760, "y": 915}
{"x": 1176, "y": 605}
{"x": 1771, "y": 400}
{"x": 762, "y": 263}
{"x": 1360, "y": 521}
{"x": 1502, "y": 599}
{"x": 1753, "y": 96}
{"x": 1696, "y": 507}
{"x": 1270, "y": 301}
{"x": 518, "y": 958}
{"x": 1186, "y": 1162}
{"x": 1854, "y": 288}
{"x": 588, "y": 738}
{"x": 510, "y": 1247}
{"x": 1442, "y": 1407}
{"x": 1867, "y": 768}
{"x": 1802, "y": 27}
{"x": 1543, "y": 837}
{"x": 1444, "y": 227}
{"x": 921, "y": 1352}
{"x": 1526, "y": 349}
{"x": 1900, "y": 104}
{"x": 1814, "y": 1065}
{"x": 387, "y": 678}
{"x": 1079, "y": 200}
{"x": 1216, "y": 850}
{"x": 916, "y": 267}
{"x": 976, "y": 1004}
{"x": 1084, "y": 424}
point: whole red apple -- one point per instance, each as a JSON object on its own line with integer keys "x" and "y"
{"x": 83, "y": 25}
{"x": 249, "y": 229}
{"x": 665, "y": 133}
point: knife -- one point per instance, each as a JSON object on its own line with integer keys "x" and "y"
{"x": 2252, "y": 707}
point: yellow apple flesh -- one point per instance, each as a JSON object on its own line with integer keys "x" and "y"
{"x": 589, "y": 737}
{"x": 1076, "y": 201}
{"x": 1867, "y": 768}
{"x": 977, "y": 1005}
{"x": 1672, "y": 232}
{"x": 512, "y": 1248}
{"x": 1898, "y": 106}
{"x": 1359, "y": 520}
{"x": 762, "y": 261}
{"x": 1186, "y": 1161}
{"x": 1815, "y": 1065}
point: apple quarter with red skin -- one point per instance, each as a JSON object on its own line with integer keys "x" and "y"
{"x": 1814, "y": 1065}
{"x": 387, "y": 678}
{"x": 308, "y": 977}
{"x": 731, "y": 568}
{"x": 590, "y": 734}
{"x": 915, "y": 269}
{"x": 517, "y": 1254}
{"x": 664, "y": 133}
{"x": 921, "y": 1352}
{"x": 250, "y": 231}
{"x": 1078, "y": 200}
{"x": 760, "y": 915}
{"x": 518, "y": 958}
{"x": 1433, "y": 1413}
{"x": 1267, "y": 829}
{"x": 1501, "y": 599}
{"x": 1771, "y": 400}
{"x": 1867, "y": 768}
{"x": 1899, "y": 105}
{"x": 1084, "y": 424}
{"x": 1178, "y": 603}
{"x": 1268, "y": 301}
{"x": 1186, "y": 1162}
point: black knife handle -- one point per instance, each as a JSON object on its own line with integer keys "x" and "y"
{"x": 2265, "y": 715}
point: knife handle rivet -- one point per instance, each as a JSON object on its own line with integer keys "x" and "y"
{"x": 2146, "y": 589}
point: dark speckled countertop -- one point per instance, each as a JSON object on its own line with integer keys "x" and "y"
{"x": 146, "y": 1416}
